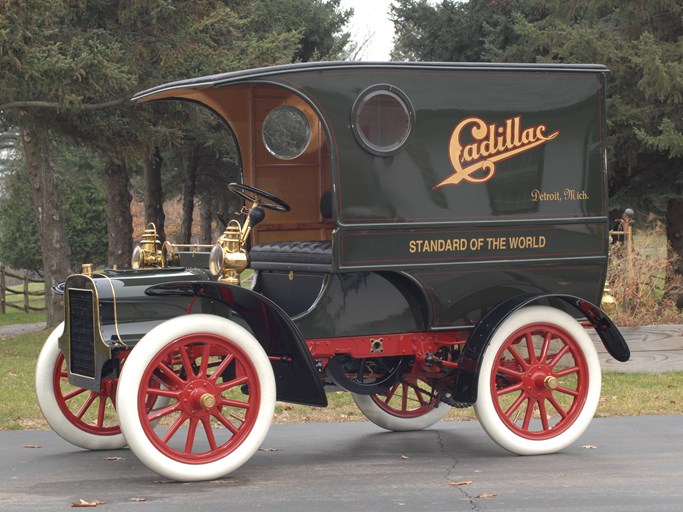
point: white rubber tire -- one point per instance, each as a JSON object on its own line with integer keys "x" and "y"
{"x": 394, "y": 422}
{"x": 144, "y": 353}
{"x": 48, "y": 402}
{"x": 485, "y": 409}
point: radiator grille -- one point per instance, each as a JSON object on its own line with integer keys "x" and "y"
{"x": 81, "y": 333}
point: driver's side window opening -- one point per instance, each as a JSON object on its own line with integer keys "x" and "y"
{"x": 290, "y": 159}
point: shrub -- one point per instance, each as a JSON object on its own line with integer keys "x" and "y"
{"x": 644, "y": 283}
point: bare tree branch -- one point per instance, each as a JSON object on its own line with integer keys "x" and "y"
{"x": 53, "y": 104}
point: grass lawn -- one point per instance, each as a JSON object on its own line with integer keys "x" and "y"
{"x": 623, "y": 394}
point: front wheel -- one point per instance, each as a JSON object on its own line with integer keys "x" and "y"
{"x": 405, "y": 406}
{"x": 220, "y": 389}
{"x": 539, "y": 383}
{"x": 80, "y": 416}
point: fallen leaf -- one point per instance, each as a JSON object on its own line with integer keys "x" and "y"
{"x": 137, "y": 499}
{"x": 589, "y": 446}
{"x": 83, "y": 503}
{"x": 462, "y": 482}
{"x": 486, "y": 496}
{"x": 31, "y": 446}
{"x": 112, "y": 458}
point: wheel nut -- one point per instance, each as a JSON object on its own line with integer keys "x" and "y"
{"x": 550, "y": 382}
{"x": 207, "y": 400}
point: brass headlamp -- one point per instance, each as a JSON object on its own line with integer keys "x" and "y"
{"x": 148, "y": 253}
{"x": 228, "y": 258}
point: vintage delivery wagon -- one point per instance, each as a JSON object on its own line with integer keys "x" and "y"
{"x": 422, "y": 235}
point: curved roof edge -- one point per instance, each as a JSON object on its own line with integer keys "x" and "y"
{"x": 248, "y": 74}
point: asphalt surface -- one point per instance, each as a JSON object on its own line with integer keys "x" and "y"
{"x": 619, "y": 464}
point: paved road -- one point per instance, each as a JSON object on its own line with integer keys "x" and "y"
{"x": 620, "y": 464}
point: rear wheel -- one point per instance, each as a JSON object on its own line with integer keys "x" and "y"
{"x": 539, "y": 383}
{"x": 80, "y": 416}
{"x": 407, "y": 405}
{"x": 220, "y": 389}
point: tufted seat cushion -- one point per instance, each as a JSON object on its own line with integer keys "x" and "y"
{"x": 309, "y": 256}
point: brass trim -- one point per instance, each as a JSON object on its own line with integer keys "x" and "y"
{"x": 116, "y": 316}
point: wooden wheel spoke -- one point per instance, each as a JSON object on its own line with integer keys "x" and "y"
{"x": 546, "y": 346}
{"x": 188, "y": 364}
{"x": 522, "y": 362}
{"x": 528, "y": 415}
{"x": 101, "y": 409}
{"x": 169, "y": 393}
{"x": 191, "y": 434}
{"x": 556, "y": 359}
{"x": 222, "y": 367}
{"x": 84, "y": 408}
{"x": 557, "y": 406}
{"x": 544, "y": 414}
{"x": 567, "y": 391}
{"x": 510, "y": 389}
{"x": 233, "y": 383}
{"x": 515, "y": 405}
{"x": 168, "y": 377}
{"x": 74, "y": 393}
{"x": 233, "y": 403}
{"x": 227, "y": 423}
{"x": 567, "y": 371}
{"x": 208, "y": 430}
{"x": 531, "y": 350}
{"x": 174, "y": 428}
{"x": 160, "y": 413}
{"x": 204, "y": 364}
{"x": 419, "y": 396}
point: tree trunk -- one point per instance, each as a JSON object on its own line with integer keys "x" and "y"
{"x": 49, "y": 216}
{"x": 119, "y": 218}
{"x": 188, "y": 195}
{"x": 206, "y": 237}
{"x": 674, "y": 236}
{"x": 154, "y": 201}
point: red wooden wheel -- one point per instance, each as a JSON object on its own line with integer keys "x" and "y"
{"x": 220, "y": 392}
{"x": 539, "y": 383}
{"x": 407, "y": 405}
{"x": 82, "y": 417}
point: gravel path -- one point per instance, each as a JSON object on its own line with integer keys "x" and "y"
{"x": 7, "y": 331}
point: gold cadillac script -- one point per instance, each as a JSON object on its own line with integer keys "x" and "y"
{"x": 476, "y": 162}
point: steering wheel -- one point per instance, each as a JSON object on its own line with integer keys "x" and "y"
{"x": 254, "y": 194}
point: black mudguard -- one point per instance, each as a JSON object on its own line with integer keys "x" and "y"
{"x": 296, "y": 377}
{"x": 465, "y": 391}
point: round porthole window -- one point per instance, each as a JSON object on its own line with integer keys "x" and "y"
{"x": 382, "y": 119}
{"x": 286, "y": 132}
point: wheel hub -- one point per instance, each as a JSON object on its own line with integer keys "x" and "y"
{"x": 198, "y": 397}
{"x": 539, "y": 382}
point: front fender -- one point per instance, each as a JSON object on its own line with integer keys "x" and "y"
{"x": 295, "y": 374}
{"x": 466, "y": 390}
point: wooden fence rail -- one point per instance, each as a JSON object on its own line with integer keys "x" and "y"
{"x": 24, "y": 291}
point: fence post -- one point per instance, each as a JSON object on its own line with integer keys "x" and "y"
{"x": 25, "y": 291}
{"x": 2, "y": 289}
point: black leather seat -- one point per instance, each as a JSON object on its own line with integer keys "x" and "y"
{"x": 307, "y": 256}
